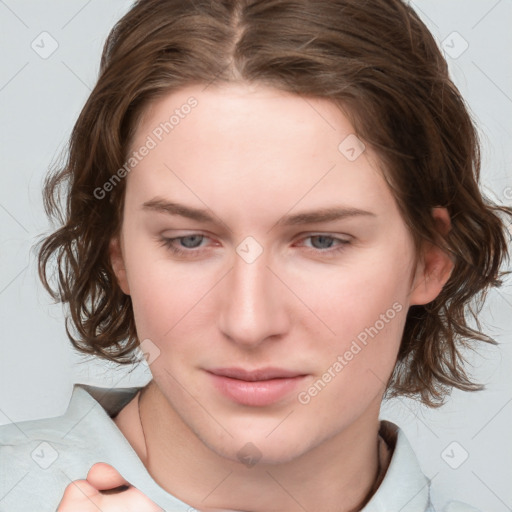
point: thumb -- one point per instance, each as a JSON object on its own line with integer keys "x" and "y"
{"x": 103, "y": 476}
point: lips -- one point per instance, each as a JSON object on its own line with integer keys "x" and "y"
{"x": 255, "y": 388}
{"x": 255, "y": 375}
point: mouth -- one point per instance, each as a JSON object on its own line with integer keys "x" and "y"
{"x": 255, "y": 388}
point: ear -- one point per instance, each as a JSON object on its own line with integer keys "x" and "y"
{"x": 117, "y": 262}
{"x": 434, "y": 265}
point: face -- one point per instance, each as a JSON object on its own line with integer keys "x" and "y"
{"x": 269, "y": 268}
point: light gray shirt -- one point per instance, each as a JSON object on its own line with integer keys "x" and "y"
{"x": 40, "y": 458}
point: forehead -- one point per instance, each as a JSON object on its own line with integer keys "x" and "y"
{"x": 251, "y": 115}
{"x": 242, "y": 146}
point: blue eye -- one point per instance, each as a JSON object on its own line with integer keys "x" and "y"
{"x": 326, "y": 245}
{"x": 325, "y": 242}
{"x": 191, "y": 246}
{"x": 188, "y": 243}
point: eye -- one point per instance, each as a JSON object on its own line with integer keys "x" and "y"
{"x": 326, "y": 244}
{"x": 190, "y": 241}
{"x": 322, "y": 241}
{"x": 190, "y": 246}
{"x": 184, "y": 245}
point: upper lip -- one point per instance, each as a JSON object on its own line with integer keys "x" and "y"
{"x": 256, "y": 375}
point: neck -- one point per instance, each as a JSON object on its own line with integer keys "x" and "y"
{"x": 184, "y": 466}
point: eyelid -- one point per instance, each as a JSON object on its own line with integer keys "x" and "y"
{"x": 192, "y": 253}
{"x": 337, "y": 236}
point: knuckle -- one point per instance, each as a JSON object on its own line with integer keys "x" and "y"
{"x": 77, "y": 493}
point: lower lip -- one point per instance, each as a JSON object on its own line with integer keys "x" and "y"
{"x": 256, "y": 393}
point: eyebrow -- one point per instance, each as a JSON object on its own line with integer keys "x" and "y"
{"x": 308, "y": 217}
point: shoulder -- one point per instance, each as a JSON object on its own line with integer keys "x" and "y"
{"x": 458, "y": 506}
{"x": 404, "y": 486}
{"x": 39, "y": 458}
{"x": 34, "y": 462}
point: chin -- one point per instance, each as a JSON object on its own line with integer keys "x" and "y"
{"x": 251, "y": 449}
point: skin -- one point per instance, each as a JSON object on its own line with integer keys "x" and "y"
{"x": 252, "y": 154}
{"x": 89, "y": 495}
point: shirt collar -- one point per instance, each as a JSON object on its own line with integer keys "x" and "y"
{"x": 404, "y": 488}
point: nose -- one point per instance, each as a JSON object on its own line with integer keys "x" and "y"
{"x": 253, "y": 304}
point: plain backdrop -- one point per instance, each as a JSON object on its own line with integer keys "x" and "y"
{"x": 465, "y": 447}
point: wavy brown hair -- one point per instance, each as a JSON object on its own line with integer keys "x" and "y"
{"x": 378, "y": 62}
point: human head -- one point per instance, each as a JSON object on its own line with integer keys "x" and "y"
{"x": 377, "y": 62}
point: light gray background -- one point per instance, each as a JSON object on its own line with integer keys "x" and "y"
{"x": 40, "y": 99}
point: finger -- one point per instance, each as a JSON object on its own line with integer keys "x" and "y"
{"x": 104, "y": 477}
{"x": 131, "y": 500}
{"x": 81, "y": 496}
{"x": 79, "y": 492}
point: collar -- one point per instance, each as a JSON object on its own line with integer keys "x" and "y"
{"x": 403, "y": 487}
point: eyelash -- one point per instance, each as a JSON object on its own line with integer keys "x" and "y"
{"x": 168, "y": 243}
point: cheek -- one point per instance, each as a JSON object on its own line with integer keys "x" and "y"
{"x": 353, "y": 296}
{"x": 165, "y": 295}
{"x": 173, "y": 299}
{"x": 367, "y": 312}
{"x": 365, "y": 305}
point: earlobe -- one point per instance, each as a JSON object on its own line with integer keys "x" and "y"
{"x": 435, "y": 265}
{"x": 118, "y": 266}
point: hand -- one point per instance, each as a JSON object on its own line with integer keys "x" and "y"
{"x": 106, "y": 490}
